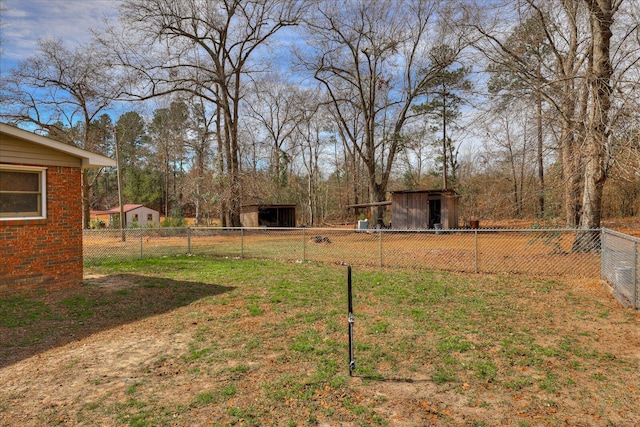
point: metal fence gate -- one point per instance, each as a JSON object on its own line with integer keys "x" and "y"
{"x": 621, "y": 266}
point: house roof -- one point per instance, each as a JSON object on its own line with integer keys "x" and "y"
{"x": 89, "y": 159}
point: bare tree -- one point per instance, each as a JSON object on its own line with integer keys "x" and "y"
{"x": 168, "y": 133}
{"x": 598, "y": 131}
{"x": 312, "y": 139}
{"x": 199, "y": 145}
{"x": 583, "y": 78}
{"x": 416, "y": 155}
{"x": 204, "y": 48}
{"x": 371, "y": 58}
{"x": 512, "y": 148}
{"x": 275, "y": 106}
{"x": 62, "y": 92}
{"x": 546, "y": 56}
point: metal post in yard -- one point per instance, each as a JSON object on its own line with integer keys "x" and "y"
{"x": 140, "y": 245}
{"x": 475, "y": 251}
{"x": 242, "y": 243}
{"x": 188, "y": 240}
{"x": 352, "y": 360}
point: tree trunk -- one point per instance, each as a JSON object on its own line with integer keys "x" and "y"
{"x": 570, "y": 175}
{"x": 597, "y": 136}
{"x": 230, "y": 108}
{"x": 445, "y": 183}
{"x": 220, "y": 138}
{"x": 540, "y": 153}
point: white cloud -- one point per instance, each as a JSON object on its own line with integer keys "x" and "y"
{"x": 26, "y": 21}
{"x": 9, "y": 14}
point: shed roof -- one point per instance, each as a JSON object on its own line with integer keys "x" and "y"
{"x": 89, "y": 159}
{"x": 260, "y": 206}
{"x": 423, "y": 191}
{"x": 369, "y": 205}
{"x": 125, "y": 208}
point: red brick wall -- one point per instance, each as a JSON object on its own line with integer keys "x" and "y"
{"x": 46, "y": 253}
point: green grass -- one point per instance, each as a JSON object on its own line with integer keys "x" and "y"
{"x": 275, "y": 333}
{"x": 81, "y": 307}
{"x": 21, "y": 311}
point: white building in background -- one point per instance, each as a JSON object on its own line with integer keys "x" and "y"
{"x": 135, "y": 216}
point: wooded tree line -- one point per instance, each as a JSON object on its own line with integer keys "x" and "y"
{"x": 527, "y": 108}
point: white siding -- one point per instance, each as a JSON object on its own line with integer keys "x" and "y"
{"x": 145, "y": 217}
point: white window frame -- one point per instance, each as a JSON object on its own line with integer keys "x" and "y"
{"x": 43, "y": 189}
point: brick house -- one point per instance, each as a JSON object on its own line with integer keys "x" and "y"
{"x": 41, "y": 209}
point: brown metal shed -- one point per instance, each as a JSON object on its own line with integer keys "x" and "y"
{"x": 422, "y": 209}
{"x": 268, "y": 215}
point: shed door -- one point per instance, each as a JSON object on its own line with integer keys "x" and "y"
{"x": 286, "y": 217}
{"x": 417, "y": 211}
{"x": 435, "y": 209}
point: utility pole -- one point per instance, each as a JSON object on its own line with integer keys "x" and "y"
{"x": 118, "y": 176}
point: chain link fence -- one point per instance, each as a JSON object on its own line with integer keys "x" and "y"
{"x": 620, "y": 266}
{"x": 523, "y": 251}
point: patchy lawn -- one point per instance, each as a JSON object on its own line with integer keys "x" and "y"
{"x": 203, "y": 341}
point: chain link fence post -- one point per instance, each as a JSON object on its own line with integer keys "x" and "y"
{"x": 475, "y": 250}
{"x": 141, "y": 246}
{"x": 603, "y": 247}
{"x": 636, "y": 303}
{"x": 380, "y": 247}
{"x": 188, "y": 240}
{"x": 304, "y": 245}
{"x": 242, "y": 243}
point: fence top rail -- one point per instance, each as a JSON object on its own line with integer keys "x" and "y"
{"x": 370, "y": 230}
{"x": 621, "y": 235}
{"x": 119, "y": 230}
{"x": 395, "y": 230}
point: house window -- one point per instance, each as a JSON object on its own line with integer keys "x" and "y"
{"x": 149, "y": 217}
{"x": 23, "y": 192}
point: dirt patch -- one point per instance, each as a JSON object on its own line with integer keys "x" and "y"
{"x": 108, "y": 282}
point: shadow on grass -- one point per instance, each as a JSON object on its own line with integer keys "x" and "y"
{"x": 35, "y": 321}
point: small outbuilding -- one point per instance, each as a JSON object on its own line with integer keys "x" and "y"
{"x": 268, "y": 215}
{"x": 134, "y": 215}
{"x": 423, "y": 209}
{"x": 41, "y": 209}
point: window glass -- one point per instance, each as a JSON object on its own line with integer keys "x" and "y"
{"x": 19, "y": 181}
{"x": 19, "y": 203}
{"x": 21, "y": 194}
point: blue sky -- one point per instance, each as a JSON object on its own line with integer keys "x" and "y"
{"x": 26, "y": 21}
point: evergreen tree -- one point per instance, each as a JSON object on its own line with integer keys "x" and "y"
{"x": 444, "y": 91}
